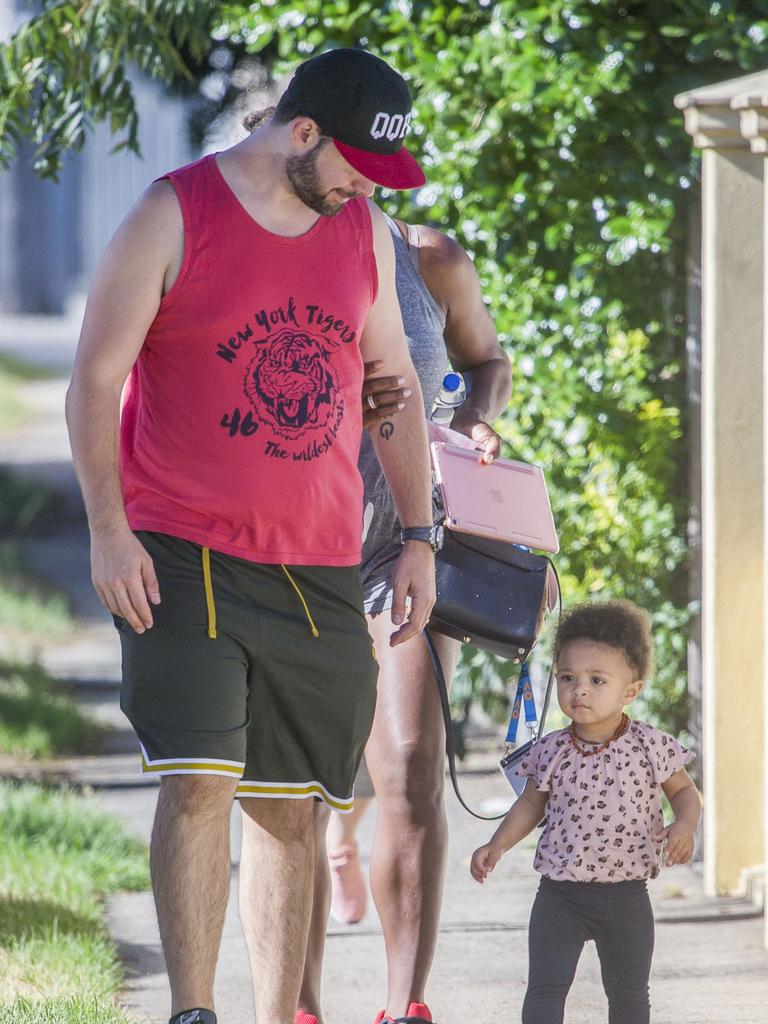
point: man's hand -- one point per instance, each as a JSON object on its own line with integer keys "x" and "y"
{"x": 680, "y": 842}
{"x": 467, "y": 422}
{"x": 124, "y": 577}
{"x": 386, "y": 393}
{"x": 414, "y": 578}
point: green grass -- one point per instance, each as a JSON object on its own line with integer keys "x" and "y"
{"x": 22, "y": 370}
{"x": 14, "y": 372}
{"x": 58, "y": 859}
{"x": 62, "y": 1011}
{"x": 36, "y": 719}
{"x": 25, "y": 608}
{"x": 12, "y": 409}
{"x": 22, "y": 502}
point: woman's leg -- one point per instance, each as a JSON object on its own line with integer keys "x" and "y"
{"x": 342, "y": 830}
{"x": 349, "y": 888}
{"x": 405, "y": 755}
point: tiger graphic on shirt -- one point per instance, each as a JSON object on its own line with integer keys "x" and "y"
{"x": 292, "y": 383}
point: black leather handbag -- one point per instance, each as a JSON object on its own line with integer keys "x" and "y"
{"x": 491, "y": 594}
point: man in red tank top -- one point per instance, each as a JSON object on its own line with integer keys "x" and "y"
{"x": 240, "y": 297}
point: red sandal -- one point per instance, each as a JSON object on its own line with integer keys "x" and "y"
{"x": 418, "y": 1013}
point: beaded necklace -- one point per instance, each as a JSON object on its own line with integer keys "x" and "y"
{"x": 621, "y": 728}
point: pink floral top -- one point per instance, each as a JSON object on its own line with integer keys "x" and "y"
{"x": 604, "y": 810}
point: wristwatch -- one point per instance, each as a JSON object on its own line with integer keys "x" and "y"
{"x": 432, "y": 535}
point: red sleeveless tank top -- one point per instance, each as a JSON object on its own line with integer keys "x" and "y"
{"x": 242, "y": 419}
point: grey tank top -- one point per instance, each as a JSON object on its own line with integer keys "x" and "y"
{"x": 424, "y": 323}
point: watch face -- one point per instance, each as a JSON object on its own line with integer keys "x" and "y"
{"x": 439, "y": 536}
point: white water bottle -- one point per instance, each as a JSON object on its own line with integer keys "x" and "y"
{"x": 450, "y": 396}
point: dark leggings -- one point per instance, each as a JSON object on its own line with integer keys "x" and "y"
{"x": 565, "y": 915}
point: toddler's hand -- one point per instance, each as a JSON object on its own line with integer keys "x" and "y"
{"x": 680, "y": 842}
{"x": 484, "y": 860}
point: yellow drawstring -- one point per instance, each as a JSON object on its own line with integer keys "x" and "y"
{"x": 212, "y": 607}
{"x": 209, "y": 593}
{"x": 301, "y": 598}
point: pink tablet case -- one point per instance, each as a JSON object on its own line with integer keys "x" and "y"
{"x": 506, "y": 500}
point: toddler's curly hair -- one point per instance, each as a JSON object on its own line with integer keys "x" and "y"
{"x": 618, "y": 624}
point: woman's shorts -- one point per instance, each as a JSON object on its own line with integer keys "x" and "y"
{"x": 377, "y": 574}
{"x": 231, "y": 679}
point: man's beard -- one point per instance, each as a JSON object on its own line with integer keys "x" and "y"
{"x": 301, "y": 172}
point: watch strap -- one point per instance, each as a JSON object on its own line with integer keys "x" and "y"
{"x": 424, "y": 533}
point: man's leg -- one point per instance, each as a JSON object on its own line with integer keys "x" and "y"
{"x": 311, "y": 983}
{"x": 311, "y": 701}
{"x": 190, "y": 863}
{"x": 405, "y": 757}
{"x": 276, "y": 874}
{"x": 344, "y": 832}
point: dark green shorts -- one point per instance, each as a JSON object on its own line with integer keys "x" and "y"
{"x": 231, "y": 679}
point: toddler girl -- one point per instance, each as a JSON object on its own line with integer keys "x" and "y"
{"x": 598, "y": 786}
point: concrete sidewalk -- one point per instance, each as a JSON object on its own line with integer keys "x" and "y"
{"x": 710, "y": 966}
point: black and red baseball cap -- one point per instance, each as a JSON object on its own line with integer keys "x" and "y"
{"x": 365, "y": 106}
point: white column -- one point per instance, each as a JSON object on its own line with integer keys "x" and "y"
{"x": 732, "y": 490}
{"x": 753, "y": 108}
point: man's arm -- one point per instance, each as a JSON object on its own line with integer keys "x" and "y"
{"x": 138, "y": 265}
{"x": 401, "y": 443}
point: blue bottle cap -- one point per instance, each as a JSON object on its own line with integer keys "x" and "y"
{"x": 452, "y": 381}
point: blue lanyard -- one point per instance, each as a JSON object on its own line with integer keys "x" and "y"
{"x": 524, "y": 697}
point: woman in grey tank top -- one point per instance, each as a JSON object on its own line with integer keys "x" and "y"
{"x": 445, "y": 320}
{"x": 424, "y": 323}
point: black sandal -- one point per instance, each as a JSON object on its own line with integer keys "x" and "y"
{"x": 196, "y": 1016}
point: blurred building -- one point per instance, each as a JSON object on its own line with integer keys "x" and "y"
{"x": 52, "y": 234}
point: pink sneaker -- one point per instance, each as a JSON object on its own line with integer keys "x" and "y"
{"x": 304, "y": 1018}
{"x": 348, "y": 889}
{"x": 418, "y": 1013}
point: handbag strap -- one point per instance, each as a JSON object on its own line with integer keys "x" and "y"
{"x": 445, "y": 706}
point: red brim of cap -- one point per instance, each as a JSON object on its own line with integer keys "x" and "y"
{"x": 391, "y": 170}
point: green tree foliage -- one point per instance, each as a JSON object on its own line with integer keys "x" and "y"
{"x": 555, "y": 155}
{"x": 65, "y": 69}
